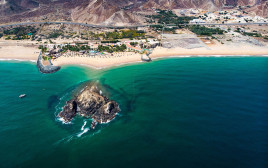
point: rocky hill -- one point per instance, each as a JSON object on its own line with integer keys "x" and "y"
{"x": 90, "y": 103}
{"x": 110, "y": 12}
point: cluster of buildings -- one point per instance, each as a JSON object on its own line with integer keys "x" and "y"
{"x": 55, "y": 50}
{"x": 189, "y": 12}
{"x": 228, "y": 16}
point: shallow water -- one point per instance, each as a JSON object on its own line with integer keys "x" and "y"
{"x": 179, "y": 112}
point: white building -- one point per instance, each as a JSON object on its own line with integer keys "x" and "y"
{"x": 197, "y": 21}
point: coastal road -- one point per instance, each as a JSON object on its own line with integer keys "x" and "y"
{"x": 228, "y": 24}
{"x": 131, "y": 26}
{"x": 71, "y": 23}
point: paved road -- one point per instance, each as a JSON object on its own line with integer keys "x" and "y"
{"x": 132, "y": 26}
{"x": 70, "y": 23}
{"x": 229, "y": 24}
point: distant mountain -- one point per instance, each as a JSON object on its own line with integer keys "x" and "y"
{"x": 110, "y": 11}
{"x": 99, "y": 11}
{"x": 17, "y": 6}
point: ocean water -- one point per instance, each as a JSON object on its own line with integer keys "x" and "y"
{"x": 178, "y": 112}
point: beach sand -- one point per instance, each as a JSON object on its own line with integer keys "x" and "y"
{"x": 18, "y": 50}
{"x": 215, "y": 50}
{"x": 160, "y": 52}
{"x": 100, "y": 62}
{"x": 13, "y": 50}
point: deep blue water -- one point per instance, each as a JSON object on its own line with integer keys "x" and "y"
{"x": 179, "y": 112}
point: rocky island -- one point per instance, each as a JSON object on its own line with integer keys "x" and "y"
{"x": 90, "y": 103}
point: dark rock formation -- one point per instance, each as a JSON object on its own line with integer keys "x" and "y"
{"x": 146, "y": 58}
{"x": 90, "y": 103}
{"x": 46, "y": 69}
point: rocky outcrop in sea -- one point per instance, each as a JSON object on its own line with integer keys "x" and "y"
{"x": 90, "y": 103}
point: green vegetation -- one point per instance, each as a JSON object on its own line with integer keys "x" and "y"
{"x": 75, "y": 48}
{"x": 8, "y": 38}
{"x": 157, "y": 27}
{"x": 132, "y": 34}
{"x": 44, "y": 49}
{"x": 55, "y": 34}
{"x": 162, "y": 27}
{"x": 113, "y": 36}
{"x": 134, "y": 44}
{"x": 114, "y": 41}
{"x": 21, "y": 33}
{"x": 238, "y": 30}
{"x": 168, "y": 17}
{"x": 1, "y": 35}
{"x": 112, "y": 49}
{"x": 46, "y": 58}
{"x": 202, "y": 30}
{"x": 252, "y": 34}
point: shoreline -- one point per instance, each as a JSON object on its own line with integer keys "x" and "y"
{"x": 18, "y": 60}
{"x": 161, "y": 58}
{"x": 17, "y": 52}
{"x": 160, "y": 52}
{"x": 135, "y": 62}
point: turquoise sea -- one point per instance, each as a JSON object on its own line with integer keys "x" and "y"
{"x": 209, "y": 112}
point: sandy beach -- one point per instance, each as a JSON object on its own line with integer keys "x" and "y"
{"x": 216, "y": 50}
{"x": 27, "y": 51}
{"x": 100, "y": 62}
{"x": 22, "y": 50}
{"x": 160, "y": 52}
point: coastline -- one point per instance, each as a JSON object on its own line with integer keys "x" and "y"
{"x": 21, "y": 50}
{"x": 136, "y": 62}
{"x": 21, "y": 53}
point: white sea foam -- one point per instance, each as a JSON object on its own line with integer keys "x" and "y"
{"x": 59, "y": 106}
{"x": 62, "y": 120}
{"x": 83, "y": 132}
{"x": 8, "y": 59}
{"x": 85, "y": 123}
{"x": 102, "y": 122}
{"x": 174, "y": 56}
{"x": 183, "y": 56}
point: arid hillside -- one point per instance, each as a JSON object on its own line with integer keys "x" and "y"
{"x": 110, "y": 12}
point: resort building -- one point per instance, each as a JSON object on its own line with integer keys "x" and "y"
{"x": 93, "y": 45}
{"x": 132, "y": 48}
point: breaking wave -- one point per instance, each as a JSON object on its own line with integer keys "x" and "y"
{"x": 83, "y": 132}
{"x": 85, "y": 123}
{"x": 62, "y": 120}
